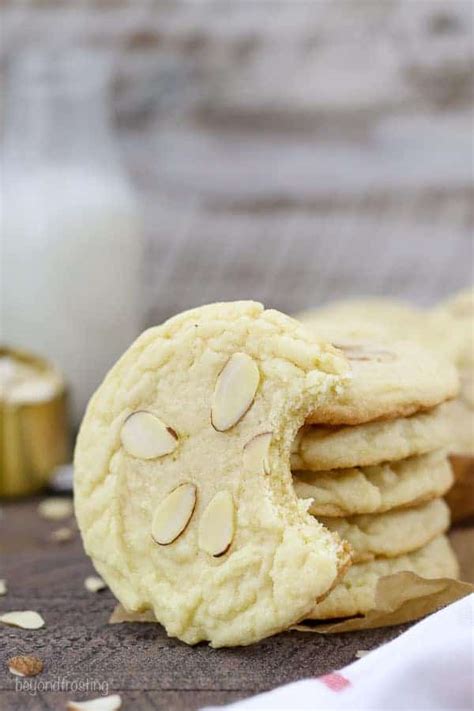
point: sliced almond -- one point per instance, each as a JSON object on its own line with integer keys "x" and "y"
{"x": 217, "y": 526}
{"x": 234, "y": 392}
{"x": 173, "y": 514}
{"x": 3, "y": 587}
{"x": 26, "y": 619}
{"x": 55, "y": 508}
{"x": 145, "y": 436}
{"x": 255, "y": 455}
{"x": 93, "y": 584}
{"x": 103, "y": 703}
{"x": 362, "y": 351}
{"x": 25, "y": 665}
{"x": 62, "y": 535}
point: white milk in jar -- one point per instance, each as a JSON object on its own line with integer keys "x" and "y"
{"x": 70, "y": 239}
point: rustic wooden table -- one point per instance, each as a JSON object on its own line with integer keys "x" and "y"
{"x": 137, "y": 660}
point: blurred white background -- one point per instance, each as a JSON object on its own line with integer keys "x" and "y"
{"x": 290, "y": 152}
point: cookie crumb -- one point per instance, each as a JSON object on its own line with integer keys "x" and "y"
{"x": 62, "y": 535}
{"x": 94, "y": 584}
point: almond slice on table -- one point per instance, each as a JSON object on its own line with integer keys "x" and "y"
{"x": 26, "y": 619}
{"x": 103, "y": 703}
{"x": 173, "y": 514}
{"x": 55, "y": 508}
{"x": 3, "y": 587}
{"x": 25, "y": 665}
{"x": 93, "y": 584}
{"x": 62, "y": 534}
{"x": 145, "y": 436}
{"x": 234, "y": 391}
{"x": 217, "y": 525}
{"x": 255, "y": 455}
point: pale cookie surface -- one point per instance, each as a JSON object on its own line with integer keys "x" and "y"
{"x": 390, "y": 319}
{"x": 390, "y": 379}
{"x": 375, "y": 489}
{"x": 331, "y": 447}
{"x": 355, "y": 595}
{"x": 392, "y": 533}
{"x": 183, "y": 489}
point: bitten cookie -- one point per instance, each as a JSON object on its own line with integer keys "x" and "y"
{"x": 325, "y": 447}
{"x": 375, "y": 489}
{"x": 393, "y": 533}
{"x": 355, "y": 595}
{"x": 183, "y": 489}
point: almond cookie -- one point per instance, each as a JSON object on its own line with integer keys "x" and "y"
{"x": 331, "y": 447}
{"x": 355, "y": 595}
{"x": 389, "y": 319}
{"x": 393, "y": 533}
{"x": 391, "y": 377}
{"x": 375, "y": 489}
{"x": 183, "y": 489}
{"x": 389, "y": 380}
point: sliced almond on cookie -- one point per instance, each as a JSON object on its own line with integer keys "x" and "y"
{"x": 145, "y": 436}
{"x": 255, "y": 455}
{"x": 362, "y": 351}
{"x": 173, "y": 514}
{"x": 217, "y": 526}
{"x": 234, "y": 391}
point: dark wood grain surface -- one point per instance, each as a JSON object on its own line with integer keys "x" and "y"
{"x": 149, "y": 670}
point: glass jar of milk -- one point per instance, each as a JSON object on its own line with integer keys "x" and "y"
{"x": 70, "y": 238}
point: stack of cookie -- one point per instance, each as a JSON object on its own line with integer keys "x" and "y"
{"x": 374, "y": 466}
{"x": 448, "y": 330}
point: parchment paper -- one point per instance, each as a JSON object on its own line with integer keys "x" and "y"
{"x": 399, "y": 598}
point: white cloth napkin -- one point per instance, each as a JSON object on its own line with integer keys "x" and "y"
{"x": 431, "y": 666}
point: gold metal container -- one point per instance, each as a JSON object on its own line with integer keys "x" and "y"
{"x": 33, "y": 422}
